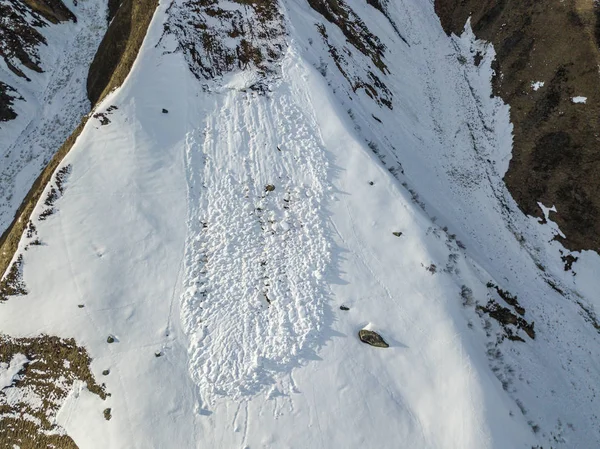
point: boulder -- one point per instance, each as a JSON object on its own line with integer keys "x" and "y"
{"x": 372, "y": 338}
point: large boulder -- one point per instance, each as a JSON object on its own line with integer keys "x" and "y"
{"x": 372, "y": 338}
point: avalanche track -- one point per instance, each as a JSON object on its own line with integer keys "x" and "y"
{"x": 256, "y": 249}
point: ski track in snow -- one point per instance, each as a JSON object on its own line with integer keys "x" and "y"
{"x": 255, "y": 257}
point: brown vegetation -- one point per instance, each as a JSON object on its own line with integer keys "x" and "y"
{"x": 54, "y": 364}
{"x": 246, "y": 37}
{"x": 119, "y": 48}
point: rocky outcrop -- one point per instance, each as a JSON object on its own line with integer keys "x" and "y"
{"x": 227, "y": 35}
{"x": 6, "y": 102}
{"x": 555, "y": 159}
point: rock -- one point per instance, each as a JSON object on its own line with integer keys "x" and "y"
{"x": 397, "y": 233}
{"x": 504, "y": 315}
{"x": 372, "y": 338}
{"x": 107, "y": 414}
{"x": 344, "y": 308}
{"x": 110, "y": 339}
{"x": 157, "y": 354}
{"x": 106, "y": 372}
{"x": 81, "y": 306}
{"x": 165, "y": 111}
{"x": 269, "y": 188}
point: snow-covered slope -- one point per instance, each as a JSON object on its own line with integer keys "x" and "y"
{"x": 215, "y": 242}
{"x": 50, "y": 104}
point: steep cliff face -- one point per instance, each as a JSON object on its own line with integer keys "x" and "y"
{"x": 547, "y": 71}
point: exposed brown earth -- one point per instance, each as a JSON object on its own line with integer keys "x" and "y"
{"x": 556, "y": 157}
{"x": 119, "y": 48}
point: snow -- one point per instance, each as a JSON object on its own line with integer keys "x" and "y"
{"x": 579, "y": 100}
{"x": 168, "y": 236}
{"x": 536, "y": 85}
{"x": 54, "y": 102}
{"x": 546, "y": 211}
{"x": 9, "y": 371}
{"x": 240, "y": 80}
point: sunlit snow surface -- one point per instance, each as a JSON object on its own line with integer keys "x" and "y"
{"x": 168, "y": 234}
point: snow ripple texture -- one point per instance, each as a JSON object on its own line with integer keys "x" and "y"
{"x": 254, "y": 297}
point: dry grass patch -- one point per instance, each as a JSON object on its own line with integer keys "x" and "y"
{"x": 119, "y": 48}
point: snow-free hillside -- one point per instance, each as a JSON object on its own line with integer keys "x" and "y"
{"x": 50, "y": 104}
{"x": 215, "y": 242}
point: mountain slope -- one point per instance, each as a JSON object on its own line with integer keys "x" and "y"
{"x": 203, "y": 232}
{"x": 550, "y": 80}
{"x": 46, "y": 51}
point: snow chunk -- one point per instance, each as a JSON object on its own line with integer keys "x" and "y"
{"x": 535, "y": 85}
{"x": 579, "y": 100}
{"x": 240, "y": 80}
{"x": 10, "y": 371}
